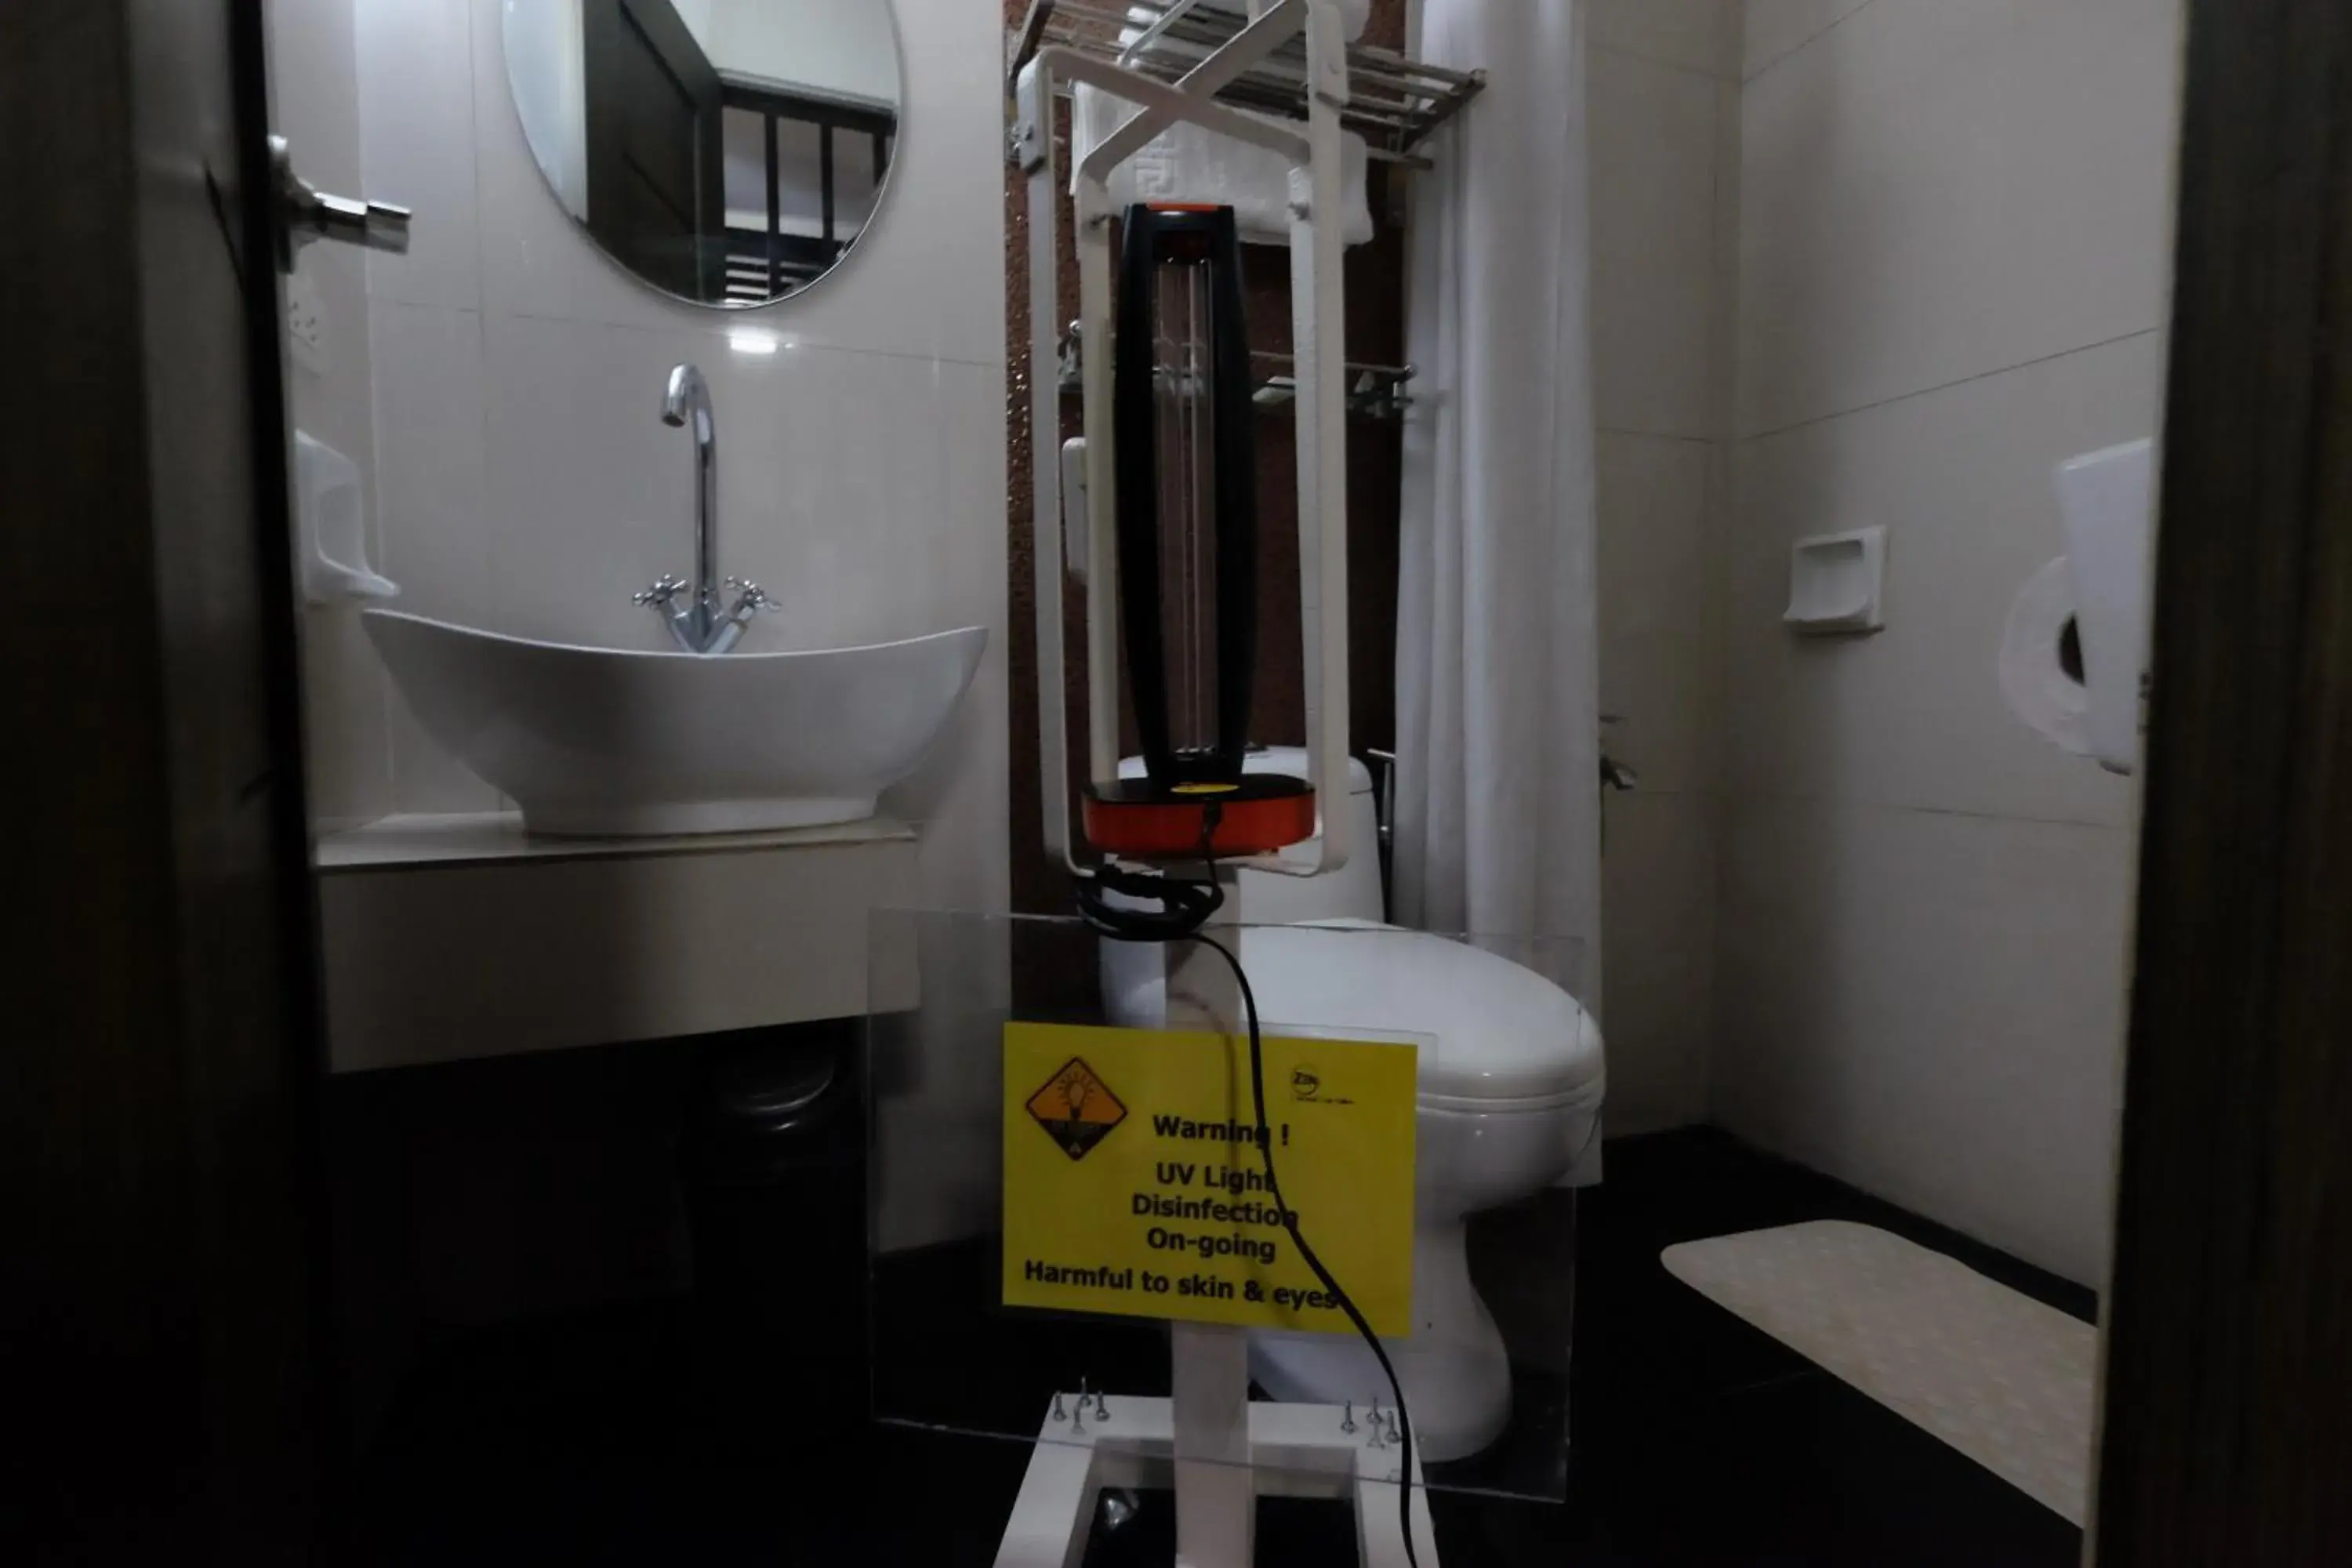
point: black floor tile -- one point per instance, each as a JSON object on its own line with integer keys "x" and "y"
{"x": 1687, "y": 1185}
{"x": 1811, "y": 1471}
{"x": 1699, "y": 1439}
{"x": 1695, "y": 1438}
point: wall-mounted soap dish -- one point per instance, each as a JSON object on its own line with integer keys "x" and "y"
{"x": 1834, "y": 582}
{"x": 329, "y": 525}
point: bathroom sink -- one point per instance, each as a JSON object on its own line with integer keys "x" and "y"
{"x": 611, "y": 742}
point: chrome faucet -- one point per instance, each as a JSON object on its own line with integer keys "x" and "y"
{"x": 698, "y": 625}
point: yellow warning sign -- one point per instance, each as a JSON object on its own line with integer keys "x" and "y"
{"x": 1135, "y": 1182}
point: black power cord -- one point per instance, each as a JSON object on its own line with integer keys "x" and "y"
{"x": 1184, "y": 909}
{"x": 1291, "y": 1223}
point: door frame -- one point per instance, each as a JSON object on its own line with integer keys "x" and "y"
{"x": 2228, "y": 1417}
{"x": 161, "y": 1059}
{"x": 606, "y": 29}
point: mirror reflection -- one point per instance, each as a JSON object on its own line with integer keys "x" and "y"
{"x": 725, "y": 152}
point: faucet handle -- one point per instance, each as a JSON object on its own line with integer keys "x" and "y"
{"x": 665, "y": 588}
{"x": 749, "y": 597}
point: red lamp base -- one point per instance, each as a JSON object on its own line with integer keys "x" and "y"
{"x": 1139, "y": 820}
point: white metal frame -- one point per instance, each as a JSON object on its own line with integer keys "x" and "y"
{"x": 1300, "y": 1450}
{"x": 1208, "y": 1434}
{"x": 1319, "y": 313}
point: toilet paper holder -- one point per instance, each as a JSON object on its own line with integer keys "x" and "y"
{"x": 2108, "y": 498}
{"x": 2075, "y": 655}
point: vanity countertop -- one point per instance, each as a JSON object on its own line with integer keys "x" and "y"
{"x": 466, "y": 838}
{"x": 453, "y": 938}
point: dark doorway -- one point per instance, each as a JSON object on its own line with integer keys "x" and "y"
{"x": 2229, "y": 1342}
{"x": 159, "y": 1115}
{"x": 656, "y": 184}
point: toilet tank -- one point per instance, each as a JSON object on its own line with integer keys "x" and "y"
{"x": 1352, "y": 892}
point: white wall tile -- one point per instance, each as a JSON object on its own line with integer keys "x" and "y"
{"x": 347, "y": 754}
{"x": 1933, "y": 191}
{"x": 960, "y": 794}
{"x": 846, "y": 484}
{"x": 1960, "y": 478}
{"x": 330, "y": 388}
{"x": 1930, "y": 1007}
{"x": 1658, "y": 871}
{"x": 314, "y": 84}
{"x": 430, "y": 494}
{"x": 417, "y": 104}
{"x": 1775, "y": 29}
{"x": 1697, "y": 35}
{"x": 896, "y": 448}
{"x": 591, "y": 495}
{"x": 1955, "y": 225}
{"x": 1653, "y": 138}
{"x": 1723, "y": 286}
{"x": 959, "y": 797}
{"x": 313, "y": 75}
{"x": 1657, "y": 643}
{"x": 433, "y": 507}
{"x": 1664, "y": 160}
{"x": 872, "y": 507}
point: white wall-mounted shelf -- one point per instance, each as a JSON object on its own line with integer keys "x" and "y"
{"x": 448, "y": 938}
{"x": 1836, "y": 583}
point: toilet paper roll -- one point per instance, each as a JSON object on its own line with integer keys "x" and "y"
{"x": 2034, "y": 681}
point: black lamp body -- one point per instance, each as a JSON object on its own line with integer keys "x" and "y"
{"x": 1187, "y": 491}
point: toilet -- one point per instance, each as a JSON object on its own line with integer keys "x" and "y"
{"x": 1510, "y": 1097}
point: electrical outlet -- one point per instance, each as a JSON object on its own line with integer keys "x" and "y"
{"x": 306, "y": 323}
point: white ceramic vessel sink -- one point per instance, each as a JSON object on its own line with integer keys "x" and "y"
{"x": 609, "y": 742}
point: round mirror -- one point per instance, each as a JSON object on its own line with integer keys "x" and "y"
{"x": 727, "y": 152}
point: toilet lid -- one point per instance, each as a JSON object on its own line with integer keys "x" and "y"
{"x": 1495, "y": 1032}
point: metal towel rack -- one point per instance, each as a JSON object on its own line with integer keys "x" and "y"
{"x": 1375, "y": 391}
{"x": 1393, "y": 105}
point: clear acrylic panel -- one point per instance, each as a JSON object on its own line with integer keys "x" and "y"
{"x": 1476, "y": 1148}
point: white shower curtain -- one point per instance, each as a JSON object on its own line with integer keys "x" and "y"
{"x": 1498, "y": 804}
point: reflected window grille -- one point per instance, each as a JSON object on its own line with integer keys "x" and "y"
{"x": 804, "y": 171}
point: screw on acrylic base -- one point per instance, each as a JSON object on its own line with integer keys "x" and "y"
{"x": 1294, "y": 1450}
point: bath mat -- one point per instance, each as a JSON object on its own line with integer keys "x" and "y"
{"x": 2003, "y": 1378}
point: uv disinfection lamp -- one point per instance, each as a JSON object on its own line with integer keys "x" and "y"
{"x": 1161, "y": 480}
{"x": 1165, "y": 478}
{"x": 1187, "y": 555}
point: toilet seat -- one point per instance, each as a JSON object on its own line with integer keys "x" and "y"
{"x": 1499, "y": 1038}
{"x": 1510, "y": 1090}
{"x": 1511, "y": 1084}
